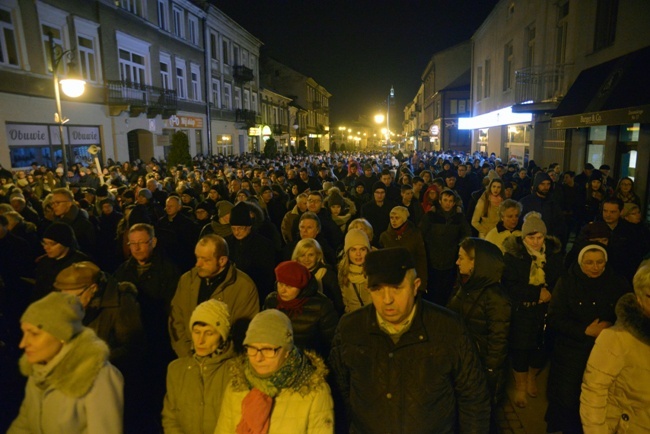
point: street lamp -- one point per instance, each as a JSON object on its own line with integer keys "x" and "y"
{"x": 390, "y": 96}
{"x": 72, "y": 87}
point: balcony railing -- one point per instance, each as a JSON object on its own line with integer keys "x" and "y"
{"x": 242, "y": 73}
{"x": 247, "y": 117}
{"x": 140, "y": 98}
{"x": 546, "y": 83}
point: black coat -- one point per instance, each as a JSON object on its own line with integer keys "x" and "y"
{"x": 255, "y": 256}
{"x": 527, "y": 323}
{"x": 442, "y": 232}
{"x": 426, "y": 382}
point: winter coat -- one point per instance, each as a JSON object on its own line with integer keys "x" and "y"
{"x": 314, "y": 328}
{"x": 484, "y": 224}
{"x": 255, "y": 256}
{"x": 422, "y": 384}
{"x": 48, "y": 268}
{"x": 178, "y": 237}
{"x": 481, "y": 302}
{"x": 307, "y": 410}
{"x": 442, "y": 232}
{"x": 411, "y": 239}
{"x": 328, "y": 284}
{"x": 84, "y": 231}
{"x": 616, "y": 384}
{"x": 577, "y": 301}
{"x": 82, "y": 394}
{"x": 528, "y": 315}
{"x": 498, "y": 235}
{"x": 195, "y": 388}
{"x": 287, "y": 224}
{"x": 355, "y": 296}
{"x": 237, "y": 290}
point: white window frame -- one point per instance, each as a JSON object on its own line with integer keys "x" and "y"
{"x": 227, "y": 96}
{"x": 179, "y": 21}
{"x": 254, "y": 101}
{"x": 247, "y": 99}
{"x": 10, "y": 27}
{"x": 193, "y": 29}
{"x": 56, "y": 19}
{"x": 195, "y": 76}
{"x": 135, "y": 46}
{"x": 90, "y": 58}
{"x": 214, "y": 47}
{"x": 225, "y": 51}
{"x": 134, "y": 6}
{"x": 238, "y": 97}
{"x": 163, "y": 14}
{"x": 181, "y": 79}
{"x": 166, "y": 81}
{"x": 216, "y": 93}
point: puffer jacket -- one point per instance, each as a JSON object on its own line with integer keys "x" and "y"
{"x": 422, "y": 384}
{"x": 527, "y": 322}
{"x": 486, "y": 311}
{"x": 81, "y": 394}
{"x": 314, "y": 328}
{"x": 615, "y": 387}
{"x": 195, "y": 388}
{"x": 308, "y": 409}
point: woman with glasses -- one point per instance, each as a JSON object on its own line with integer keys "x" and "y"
{"x": 625, "y": 191}
{"x": 275, "y": 388}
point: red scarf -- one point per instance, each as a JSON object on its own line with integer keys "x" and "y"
{"x": 291, "y": 308}
{"x": 255, "y": 413}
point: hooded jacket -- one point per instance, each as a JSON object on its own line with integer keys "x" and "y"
{"x": 615, "y": 387}
{"x": 81, "y": 394}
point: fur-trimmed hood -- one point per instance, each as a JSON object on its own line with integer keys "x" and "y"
{"x": 315, "y": 382}
{"x": 76, "y": 372}
{"x": 631, "y": 318}
{"x": 514, "y": 245}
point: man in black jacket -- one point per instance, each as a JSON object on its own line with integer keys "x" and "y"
{"x": 403, "y": 365}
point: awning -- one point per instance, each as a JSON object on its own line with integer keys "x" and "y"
{"x": 612, "y": 93}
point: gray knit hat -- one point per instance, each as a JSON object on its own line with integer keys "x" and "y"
{"x": 270, "y": 327}
{"x": 215, "y": 313}
{"x": 57, "y": 313}
{"x": 533, "y": 223}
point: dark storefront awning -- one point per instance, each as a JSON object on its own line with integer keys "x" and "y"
{"x": 612, "y": 93}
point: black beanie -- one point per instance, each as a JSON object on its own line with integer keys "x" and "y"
{"x": 240, "y": 215}
{"x": 61, "y": 233}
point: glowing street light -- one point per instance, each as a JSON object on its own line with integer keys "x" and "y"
{"x": 379, "y": 118}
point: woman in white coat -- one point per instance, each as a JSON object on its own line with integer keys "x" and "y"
{"x": 275, "y": 388}
{"x": 616, "y": 385}
{"x": 72, "y": 387}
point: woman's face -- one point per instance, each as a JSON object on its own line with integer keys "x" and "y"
{"x": 267, "y": 365}
{"x": 495, "y": 188}
{"x": 625, "y": 186}
{"x": 397, "y": 220}
{"x": 433, "y": 194}
{"x": 465, "y": 262}
{"x": 634, "y": 216}
{"x": 39, "y": 345}
{"x": 535, "y": 241}
{"x": 206, "y": 339}
{"x": 595, "y": 184}
{"x": 308, "y": 258}
{"x": 357, "y": 254}
{"x": 53, "y": 249}
{"x": 287, "y": 292}
{"x": 593, "y": 263}
{"x": 510, "y": 218}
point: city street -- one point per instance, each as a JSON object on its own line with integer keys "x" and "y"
{"x": 529, "y": 420}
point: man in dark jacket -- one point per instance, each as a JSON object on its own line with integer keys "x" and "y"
{"x": 542, "y": 201}
{"x": 377, "y": 212}
{"x": 379, "y": 352}
{"x": 67, "y": 211}
{"x": 177, "y": 234}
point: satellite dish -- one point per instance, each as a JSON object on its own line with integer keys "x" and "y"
{"x": 94, "y": 149}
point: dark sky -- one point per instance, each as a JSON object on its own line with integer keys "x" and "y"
{"x": 357, "y": 49}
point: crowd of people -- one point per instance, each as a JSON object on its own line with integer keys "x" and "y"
{"x": 335, "y": 292}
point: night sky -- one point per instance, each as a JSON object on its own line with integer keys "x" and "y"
{"x": 357, "y": 49}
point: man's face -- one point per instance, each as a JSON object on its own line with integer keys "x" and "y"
{"x": 407, "y": 196}
{"x": 611, "y": 213}
{"x": 172, "y": 207}
{"x": 568, "y": 180}
{"x": 386, "y": 179}
{"x": 207, "y": 264}
{"x": 213, "y": 195}
{"x": 308, "y": 228}
{"x": 451, "y": 181}
{"x": 367, "y": 172}
{"x": 417, "y": 186}
{"x": 267, "y": 196}
{"x": 379, "y": 195}
{"x": 303, "y": 175}
{"x": 241, "y": 232}
{"x": 353, "y": 170}
{"x": 234, "y": 186}
{"x": 141, "y": 246}
{"x": 314, "y": 203}
{"x": 107, "y": 208}
{"x": 61, "y": 204}
{"x": 53, "y": 249}
{"x": 462, "y": 170}
{"x": 544, "y": 187}
{"x": 447, "y": 202}
{"x": 152, "y": 185}
{"x": 522, "y": 174}
{"x": 394, "y": 303}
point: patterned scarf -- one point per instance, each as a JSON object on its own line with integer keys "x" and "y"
{"x": 537, "y": 275}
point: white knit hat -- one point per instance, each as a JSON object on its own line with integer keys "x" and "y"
{"x": 591, "y": 247}
{"x": 214, "y": 313}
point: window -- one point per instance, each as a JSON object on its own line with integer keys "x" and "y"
{"x": 227, "y": 96}
{"x": 254, "y": 102}
{"x": 86, "y": 53}
{"x": 561, "y": 35}
{"x": 225, "y": 52}
{"x": 237, "y": 97}
{"x": 198, "y": 139}
{"x": 214, "y": 48}
{"x": 165, "y": 71}
{"x": 486, "y": 82}
{"x": 235, "y": 55}
{"x": 133, "y": 6}
{"x": 8, "y": 46}
{"x": 193, "y": 29}
{"x": 56, "y": 39}
{"x": 247, "y": 99}
{"x": 530, "y": 45}
{"x": 244, "y": 58}
{"x": 134, "y": 61}
{"x": 605, "y": 27}
{"x": 163, "y": 14}
{"x": 181, "y": 79}
{"x": 179, "y": 27}
{"x": 216, "y": 93}
{"x": 196, "y": 81}
{"x": 479, "y": 83}
{"x": 508, "y": 71}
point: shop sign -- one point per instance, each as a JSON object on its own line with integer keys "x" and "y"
{"x": 254, "y": 131}
{"x": 434, "y": 130}
{"x": 83, "y": 135}
{"x": 21, "y": 134}
{"x": 184, "y": 122}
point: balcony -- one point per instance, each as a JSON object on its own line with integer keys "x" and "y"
{"x": 246, "y": 118}
{"x": 136, "y": 99}
{"x": 316, "y": 105}
{"x": 279, "y": 129}
{"x": 242, "y": 74}
{"x": 541, "y": 87}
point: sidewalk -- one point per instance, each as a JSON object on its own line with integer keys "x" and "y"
{"x": 529, "y": 420}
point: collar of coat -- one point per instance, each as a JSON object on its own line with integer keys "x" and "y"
{"x": 514, "y": 245}
{"x": 631, "y": 318}
{"x": 75, "y": 374}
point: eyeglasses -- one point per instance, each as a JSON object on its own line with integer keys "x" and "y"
{"x": 139, "y": 243}
{"x": 267, "y": 352}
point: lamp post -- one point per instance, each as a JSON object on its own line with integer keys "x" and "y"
{"x": 72, "y": 87}
{"x": 390, "y": 96}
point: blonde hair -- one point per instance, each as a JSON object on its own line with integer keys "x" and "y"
{"x": 303, "y": 245}
{"x": 641, "y": 280}
{"x": 363, "y": 225}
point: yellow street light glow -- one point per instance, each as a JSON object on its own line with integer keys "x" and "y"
{"x": 379, "y": 118}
